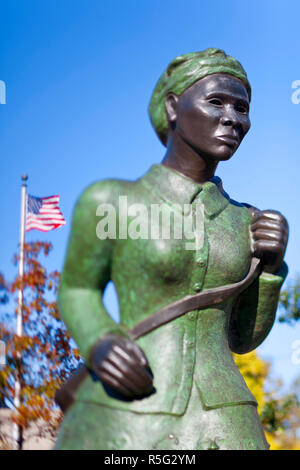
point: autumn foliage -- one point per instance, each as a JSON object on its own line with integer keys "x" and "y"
{"x": 47, "y": 352}
{"x": 279, "y": 412}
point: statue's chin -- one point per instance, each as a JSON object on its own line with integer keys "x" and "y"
{"x": 225, "y": 158}
{"x": 219, "y": 157}
{"x": 223, "y": 154}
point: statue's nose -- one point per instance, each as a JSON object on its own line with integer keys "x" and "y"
{"x": 229, "y": 118}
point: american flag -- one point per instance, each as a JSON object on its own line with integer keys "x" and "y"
{"x": 43, "y": 213}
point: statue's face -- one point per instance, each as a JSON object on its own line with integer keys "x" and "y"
{"x": 212, "y": 116}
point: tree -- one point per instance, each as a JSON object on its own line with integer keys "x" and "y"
{"x": 279, "y": 413}
{"x": 48, "y": 354}
{"x": 289, "y": 302}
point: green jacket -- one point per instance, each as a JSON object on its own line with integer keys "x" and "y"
{"x": 151, "y": 273}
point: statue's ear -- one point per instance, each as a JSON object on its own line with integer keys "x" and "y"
{"x": 171, "y": 108}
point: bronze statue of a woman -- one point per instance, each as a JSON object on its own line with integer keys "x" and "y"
{"x": 176, "y": 386}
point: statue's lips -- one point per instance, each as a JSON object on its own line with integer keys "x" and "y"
{"x": 228, "y": 139}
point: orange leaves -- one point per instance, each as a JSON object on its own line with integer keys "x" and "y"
{"x": 19, "y": 344}
{"x": 36, "y": 407}
{"x": 44, "y": 355}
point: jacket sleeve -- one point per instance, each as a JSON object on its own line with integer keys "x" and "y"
{"x": 87, "y": 271}
{"x": 254, "y": 312}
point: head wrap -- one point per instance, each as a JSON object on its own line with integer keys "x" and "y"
{"x": 183, "y": 72}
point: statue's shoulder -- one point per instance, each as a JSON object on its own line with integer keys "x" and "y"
{"x": 244, "y": 205}
{"x": 105, "y": 191}
{"x": 233, "y": 203}
{"x": 252, "y": 209}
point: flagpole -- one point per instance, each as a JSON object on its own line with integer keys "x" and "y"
{"x": 17, "y": 434}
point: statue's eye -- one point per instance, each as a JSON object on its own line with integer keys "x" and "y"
{"x": 241, "y": 109}
{"x": 216, "y": 102}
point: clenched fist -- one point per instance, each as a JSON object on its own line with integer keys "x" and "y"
{"x": 270, "y": 233}
{"x": 122, "y": 365}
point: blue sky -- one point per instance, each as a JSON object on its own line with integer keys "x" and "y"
{"x": 79, "y": 76}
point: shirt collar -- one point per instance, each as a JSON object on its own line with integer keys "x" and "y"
{"x": 174, "y": 187}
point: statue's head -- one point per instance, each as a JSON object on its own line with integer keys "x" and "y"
{"x": 203, "y": 97}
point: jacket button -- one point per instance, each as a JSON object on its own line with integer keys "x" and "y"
{"x": 197, "y": 287}
{"x": 200, "y": 263}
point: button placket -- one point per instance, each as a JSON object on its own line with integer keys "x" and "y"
{"x": 200, "y": 257}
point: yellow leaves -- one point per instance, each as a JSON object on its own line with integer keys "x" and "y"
{"x": 280, "y": 441}
{"x": 255, "y": 372}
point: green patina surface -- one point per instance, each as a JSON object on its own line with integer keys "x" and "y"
{"x": 182, "y": 73}
{"x": 195, "y": 377}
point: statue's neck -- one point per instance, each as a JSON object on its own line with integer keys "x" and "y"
{"x": 180, "y": 156}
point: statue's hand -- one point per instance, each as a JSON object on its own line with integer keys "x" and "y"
{"x": 122, "y": 365}
{"x": 270, "y": 232}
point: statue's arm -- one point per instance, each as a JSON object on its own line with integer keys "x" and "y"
{"x": 86, "y": 273}
{"x": 254, "y": 312}
{"x": 103, "y": 343}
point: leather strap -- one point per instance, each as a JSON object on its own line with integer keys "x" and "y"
{"x": 65, "y": 395}
{"x": 194, "y": 302}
